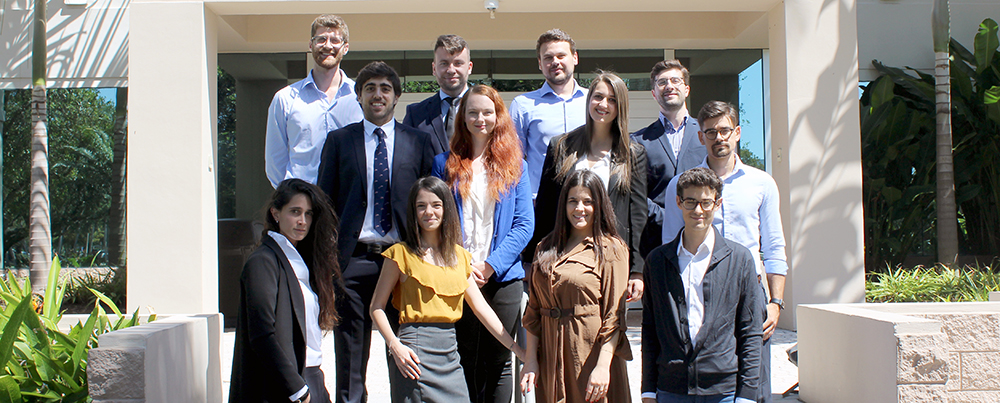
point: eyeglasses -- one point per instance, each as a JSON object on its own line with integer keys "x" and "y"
{"x": 690, "y": 204}
{"x": 712, "y": 134}
{"x": 671, "y": 80}
{"x": 334, "y": 40}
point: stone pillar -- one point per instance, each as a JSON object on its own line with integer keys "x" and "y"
{"x": 172, "y": 229}
{"x": 816, "y": 149}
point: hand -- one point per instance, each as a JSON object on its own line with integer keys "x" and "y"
{"x": 406, "y": 360}
{"x": 648, "y": 400}
{"x": 481, "y": 272}
{"x": 635, "y": 287}
{"x": 308, "y": 398}
{"x": 597, "y": 387}
{"x": 528, "y": 378}
{"x": 771, "y": 323}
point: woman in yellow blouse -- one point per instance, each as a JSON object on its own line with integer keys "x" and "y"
{"x": 429, "y": 275}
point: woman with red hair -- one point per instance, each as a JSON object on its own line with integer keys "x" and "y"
{"x": 486, "y": 171}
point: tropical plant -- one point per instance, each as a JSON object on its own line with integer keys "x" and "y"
{"x": 41, "y": 362}
{"x": 898, "y": 139}
{"x": 938, "y": 283}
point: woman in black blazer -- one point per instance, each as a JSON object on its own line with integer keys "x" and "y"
{"x": 602, "y": 146}
{"x": 287, "y": 300}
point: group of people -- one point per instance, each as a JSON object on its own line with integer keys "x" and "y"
{"x": 435, "y": 228}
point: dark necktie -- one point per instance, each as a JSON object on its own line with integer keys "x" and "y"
{"x": 449, "y": 119}
{"x": 381, "y": 208}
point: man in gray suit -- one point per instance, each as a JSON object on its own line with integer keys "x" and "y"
{"x": 671, "y": 142}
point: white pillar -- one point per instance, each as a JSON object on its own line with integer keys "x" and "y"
{"x": 172, "y": 228}
{"x": 816, "y": 149}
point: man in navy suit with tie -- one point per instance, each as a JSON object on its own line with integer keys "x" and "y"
{"x": 367, "y": 169}
{"x": 436, "y": 114}
{"x": 672, "y": 145}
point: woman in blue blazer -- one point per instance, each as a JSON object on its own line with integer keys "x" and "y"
{"x": 287, "y": 300}
{"x": 486, "y": 170}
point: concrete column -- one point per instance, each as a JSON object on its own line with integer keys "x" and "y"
{"x": 252, "y": 186}
{"x": 816, "y": 149}
{"x": 172, "y": 229}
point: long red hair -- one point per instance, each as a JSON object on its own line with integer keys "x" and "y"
{"x": 502, "y": 158}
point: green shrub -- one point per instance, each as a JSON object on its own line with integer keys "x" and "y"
{"x": 932, "y": 284}
{"x": 78, "y": 290}
{"x": 40, "y": 362}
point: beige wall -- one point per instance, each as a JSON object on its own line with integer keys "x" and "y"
{"x": 816, "y": 150}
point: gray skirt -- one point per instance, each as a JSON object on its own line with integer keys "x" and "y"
{"x": 441, "y": 377}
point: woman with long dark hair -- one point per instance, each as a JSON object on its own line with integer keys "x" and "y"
{"x": 603, "y": 146}
{"x": 429, "y": 276}
{"x": 287, "y": 300}
{"x": 486, "y": 172}
{"x": 575, "y": 319}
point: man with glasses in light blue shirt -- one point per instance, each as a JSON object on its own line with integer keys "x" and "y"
{"x": 749, "y": 215}
{"x": 302, "y": 114}
{"x": 558, "y": 107}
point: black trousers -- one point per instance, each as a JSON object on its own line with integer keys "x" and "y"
{"x": 353, "y": 334}
{"x": 317, "y": 385}
{"x": 486, "y": 362}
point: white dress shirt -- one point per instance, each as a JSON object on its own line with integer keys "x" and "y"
{"x": 477, "y": 218}
{"x": 693, "y": 268}
{"x": 314, "y": 337}
{"x": 368, "y": 233}
{"x": 601, "y": 168}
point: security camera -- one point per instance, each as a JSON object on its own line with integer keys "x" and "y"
{"x": 491, "y": 5}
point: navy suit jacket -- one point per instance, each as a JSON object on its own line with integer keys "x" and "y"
{"x": 343, "y": 175}
{"x": 426, "y": 116}
{"x": 661, "y": 167}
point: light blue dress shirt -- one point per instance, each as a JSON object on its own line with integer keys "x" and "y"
{"x": 540, "y": 115}
{"x": 298, "y": 120}
{"x": 749, "y": 216}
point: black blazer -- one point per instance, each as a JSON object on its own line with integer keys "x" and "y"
{"x": 727, "y": 354}
{"x": 426, "y": 116}
{"x": 630, "y": 209}
{"x": 343, "y": 175}
{"x": 270, "y": 351}
{"x": 661, "y": 167}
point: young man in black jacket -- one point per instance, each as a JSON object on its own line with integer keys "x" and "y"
{"x": 702, "y": 311}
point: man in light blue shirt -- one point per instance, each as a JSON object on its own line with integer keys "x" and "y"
{"x": 749, "y": 214}
{"x": 556, "y": 108}
{"x": 302, "y": 114}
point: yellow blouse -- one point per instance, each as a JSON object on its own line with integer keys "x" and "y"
{"x": 431, "y": 293}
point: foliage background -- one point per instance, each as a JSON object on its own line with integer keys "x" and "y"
{"x": 80, "y": 156}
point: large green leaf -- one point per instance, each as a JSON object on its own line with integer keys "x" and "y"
{"x": 10, "y": 330}
{"x": 107, "y": 301}
{"x": 986, "y": 44}
{"x": 992, "y": 101}
{"x": 83, "y": 339}
{"x": 9, "y": 390}
{"x": 50, "y": 308}
{"x": 882, "y": 92}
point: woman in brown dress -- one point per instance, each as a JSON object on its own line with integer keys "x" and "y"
{"x": 575, "y": 319}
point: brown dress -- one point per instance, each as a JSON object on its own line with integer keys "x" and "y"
{"x": 569, "y": 346}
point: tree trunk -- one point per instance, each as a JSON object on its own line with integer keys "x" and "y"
{"x": 947, "y": 216}
{"x": 116, "y": 223}
{"x": 40, "y": 244}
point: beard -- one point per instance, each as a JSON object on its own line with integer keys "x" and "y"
{"x": 327, "y": 62}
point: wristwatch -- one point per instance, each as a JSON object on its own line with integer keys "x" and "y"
{"x": 779, "y": 302}
{"x": 302, "y": 399}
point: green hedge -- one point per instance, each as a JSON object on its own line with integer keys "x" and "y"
{"x": 932, "y": 284}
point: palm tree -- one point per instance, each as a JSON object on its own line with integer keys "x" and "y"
{"x": 947, "y": 217}
{"x": 116, "y": 223}
{"x": 41, "y": 233}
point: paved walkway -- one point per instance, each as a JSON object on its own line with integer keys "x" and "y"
{"x": 783, "y": 375}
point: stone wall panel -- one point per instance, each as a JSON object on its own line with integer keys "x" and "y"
{"x": 981, "y": 371}
{"x": 970, "y": 331}
{"x": 922, "y": 394}
{"x": 922, "y": 358}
